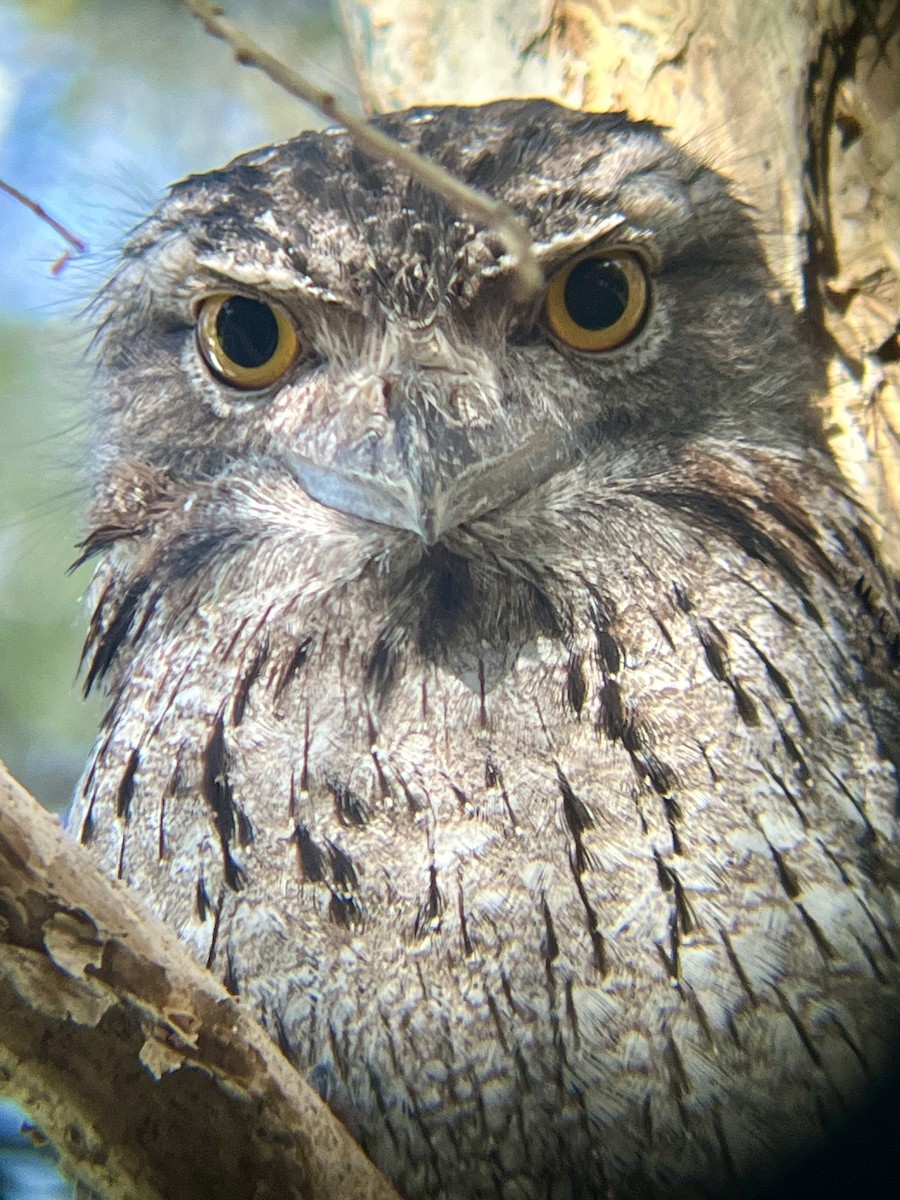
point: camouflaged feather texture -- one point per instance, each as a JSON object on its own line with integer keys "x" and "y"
{"x": 554, "y": 838}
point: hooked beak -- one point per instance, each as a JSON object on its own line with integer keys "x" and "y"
{"x": 387, "y": 496}
{"x": 421, "y": 445}
{"x": 433, "y": 487}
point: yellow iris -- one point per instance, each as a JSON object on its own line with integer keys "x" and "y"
{"x": 598, "y": 301}
{"x": 247, "y": 343}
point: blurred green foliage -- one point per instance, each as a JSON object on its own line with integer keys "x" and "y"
{"x": 44, "y": 727}
{"x": 102, "y": 104}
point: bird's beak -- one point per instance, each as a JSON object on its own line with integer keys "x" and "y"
{"x": 390, "y": 493}
{"x": 428, "y": 476}
{"x": 425, "y": 439}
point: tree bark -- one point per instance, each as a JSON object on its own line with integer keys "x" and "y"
{"x": 799, "y": 104}
{"x": 151, "y": 1080}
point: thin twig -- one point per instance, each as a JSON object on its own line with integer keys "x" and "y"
{"x": 76, "y": 243}
{"x": 463, "y": 199}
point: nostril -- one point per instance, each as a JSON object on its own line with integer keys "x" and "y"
{"x": 388, "y": 384}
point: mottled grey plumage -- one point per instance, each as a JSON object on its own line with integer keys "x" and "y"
{"x": 548, "y": 817}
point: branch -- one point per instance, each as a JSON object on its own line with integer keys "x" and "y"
{"x": 78, "y": 246}
{"x": 152, "y": 1081}
{"x": 466, "y": 201}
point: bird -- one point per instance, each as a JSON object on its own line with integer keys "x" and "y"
{"x": 502, "y": 691}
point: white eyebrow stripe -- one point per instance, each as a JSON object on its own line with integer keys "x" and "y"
{"x": 571, "y": 241}
{"x": 269, "y": 278}
{"x": 564, "y": 245}
{"x": 209, "y": 269}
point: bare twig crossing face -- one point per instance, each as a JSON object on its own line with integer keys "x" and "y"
{"x": 465, "y": 200}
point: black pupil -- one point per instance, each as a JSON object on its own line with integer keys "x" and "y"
{"x": 596, "y": 293}
{"x": 248, "y": 331}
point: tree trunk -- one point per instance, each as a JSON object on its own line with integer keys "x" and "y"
{"x": 799, "y": 104}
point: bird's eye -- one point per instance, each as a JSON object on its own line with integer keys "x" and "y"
{"x": 598, "y": 301}
{"x": 247, "y": 343}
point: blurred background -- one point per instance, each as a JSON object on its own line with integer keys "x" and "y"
{"x": 103, "y": 103}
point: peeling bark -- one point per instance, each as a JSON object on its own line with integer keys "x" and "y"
{"x": 799, "y": 104}
{"x": 153, "y": 1082}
